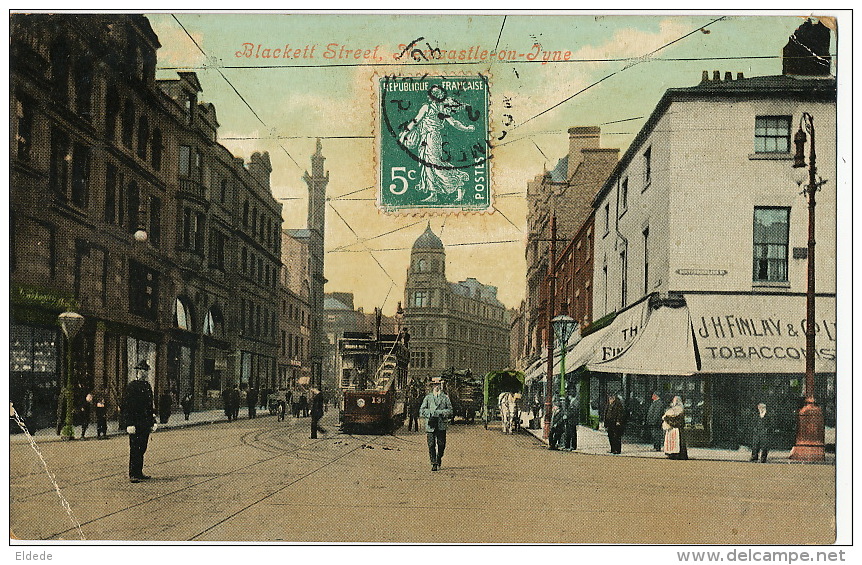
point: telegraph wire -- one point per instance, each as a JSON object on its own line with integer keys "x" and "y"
{"x": 457, "y": 63}
{"x": 346, "y": 223}
{"x": 377, "y": 236}
{"x": 241, "y": 97}
{"x": 632, "y": 62}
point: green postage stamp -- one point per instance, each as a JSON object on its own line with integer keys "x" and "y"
{"x": 434, "y": 149}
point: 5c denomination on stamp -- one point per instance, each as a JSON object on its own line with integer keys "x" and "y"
{"x": 433, "y": 143}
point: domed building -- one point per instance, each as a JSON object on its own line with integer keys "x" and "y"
{"x": 459, "y": 325}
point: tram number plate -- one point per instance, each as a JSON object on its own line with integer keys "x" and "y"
{"x": 377, "y": 400}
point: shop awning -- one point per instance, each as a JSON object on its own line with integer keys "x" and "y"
{"x": 663, "y": 346}
{"x": 756, "y": 334}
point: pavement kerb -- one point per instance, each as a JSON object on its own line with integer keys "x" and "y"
{"x": 175, "y": 421}
{"x": 595, "y": 442}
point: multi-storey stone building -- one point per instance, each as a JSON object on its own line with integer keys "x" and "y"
{"x": 461, "y": 325}
{"x": 100, "y": 150}
{"x": 566, "y": 192}
{"x": 294, "y": 364}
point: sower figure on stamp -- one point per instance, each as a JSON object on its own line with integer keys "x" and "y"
{"x": 140, "y": 419}
{"x": 424, "y": 133}
{"x": 436, "y": 409}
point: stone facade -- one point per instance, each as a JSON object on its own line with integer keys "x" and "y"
{"x": 460, "y": 325}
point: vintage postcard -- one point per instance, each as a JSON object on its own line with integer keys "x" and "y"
{"x": 431, "y": 278}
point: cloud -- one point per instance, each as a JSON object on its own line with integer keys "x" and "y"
{"x": 177, "y": 49}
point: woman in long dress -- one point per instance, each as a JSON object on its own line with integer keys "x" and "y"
{"x": 673, "y": 424}
{"x": 424, "y": 134}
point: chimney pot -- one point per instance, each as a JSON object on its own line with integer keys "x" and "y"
{"x": 716, "y": 75}
{"x": 704, "y": 77}
{"x": 728, "y": 76}
{"x": 740, "y": 76}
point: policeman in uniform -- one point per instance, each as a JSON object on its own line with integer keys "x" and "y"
{"x": 140, "y": 419}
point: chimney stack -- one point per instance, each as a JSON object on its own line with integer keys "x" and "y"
{"x": 580, "y": 138}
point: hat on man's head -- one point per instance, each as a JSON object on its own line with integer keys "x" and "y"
{"x": 436, "y": 380}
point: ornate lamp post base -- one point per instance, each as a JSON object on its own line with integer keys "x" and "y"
{"x": 810, "y": 435}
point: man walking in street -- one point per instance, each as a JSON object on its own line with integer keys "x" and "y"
{"x": 571, "y": 423}
{"x": 140, "y": 419}
{"x": 653, "y": 421}
{"x": 316, "y": 412}
{"x": 251, "y": 401}
{"x": 436, "y": 409}
{"x": 234, "y": 402}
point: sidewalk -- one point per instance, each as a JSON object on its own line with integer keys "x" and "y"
{"x": 595, "y": 442}
{"x": 177, "y": 420}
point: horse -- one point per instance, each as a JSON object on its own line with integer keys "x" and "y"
{"x": 507, "y": 403}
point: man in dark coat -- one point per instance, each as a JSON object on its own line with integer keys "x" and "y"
{"x": 653, "y": 421}
{"x": 251, "y": 401}
{"x": 234, "y": 402}
{"x": 140, "y": 419}
{"x": 303, "y": 404}
{"x": 316, "y": 413}
{"x": 571, "y": 423}
{"x": 761, "y": 432}
{"x": 226, "y": 396}
{"x": 187, "y": 403}
{"x": 614, "y": 422}
{"x": 165, "y": 402}
{"x": 558, "y": 425}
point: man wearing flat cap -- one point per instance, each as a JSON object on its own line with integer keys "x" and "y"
{"x": 654, "y": 419}
{"x": 436, "y": 409}
{"x": 140, "y": 419}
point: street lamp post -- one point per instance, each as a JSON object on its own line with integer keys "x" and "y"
{"x": 70, "y": 323}
{"x": 550, "y": 303}
{"x": 564, "y": 327}
{"x": 810, "y": 430}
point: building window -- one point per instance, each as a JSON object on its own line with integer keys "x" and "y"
{"x": 223, "y": 194}
{"x": 607, "y": 218}
{"x": 646, "y": 259}
{"x": 624, "y": 278}
{"x": 58, "y": 175}
{"x": 185, "y": 160}
{"x": 245, "y": 214}
{"x": 182, "y": 315}
{"x": 128, "y": 123}
{"x": 84, "y": 88}
{"x": 647, "y": 167}
{"x": 772, "y": 134}
{"x": 155, "y": 233}
{"x": 243, "y": 260}
{"x": 133, "y": 204}
{"x": 771, "y": 234}
{"x": 143, "y": 137}
{"x": 60, "y": 69}
{"x": 156, "y": 153}
{"x": 143, "y": 290}
{"x": 24, "y": 133}
{"x": 112, "y": 112}
{"x": 213, "y": 322}
{"x": 218, "y": 241}
{"x": 624, "y": 197}
{"x": 80, "y": 175}
{"x": 420, "y": 298}
{"x": 111, "y": 194}
{"x": 421, "y": 265}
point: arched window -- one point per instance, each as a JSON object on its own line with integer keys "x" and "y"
{"x": 156, "y": 155}
{"x": 182, "y": 315}
{"x": 112, "y": 112}
{"x": 143, "y": 136}
{"x": 213, "y": 322}
{"x": 128, "y": 123}
{"x": 421, "y": 265}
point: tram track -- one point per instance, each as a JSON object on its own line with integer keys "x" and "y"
{"x": 291, "y": 448}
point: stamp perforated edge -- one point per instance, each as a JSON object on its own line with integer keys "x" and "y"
{"x": 423, "y": 211}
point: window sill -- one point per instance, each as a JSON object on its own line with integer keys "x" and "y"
{"x": 770, "y": 157}
{"x": 767, "y": 284}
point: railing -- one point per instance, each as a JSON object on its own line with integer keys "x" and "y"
{"x": 192, "y": 187}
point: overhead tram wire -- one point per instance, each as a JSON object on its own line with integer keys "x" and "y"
{"x": 632, "y": 62}
{"x": 241, "y": 97}
{"x": 457, "y": 63}
{"x": 376, "y": 236}
{"x": 346, "y": 223}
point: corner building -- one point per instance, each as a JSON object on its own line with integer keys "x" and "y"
{"x": 460, "y": 325}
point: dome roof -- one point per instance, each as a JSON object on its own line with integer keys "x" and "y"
{"x": 428, "y": 240}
